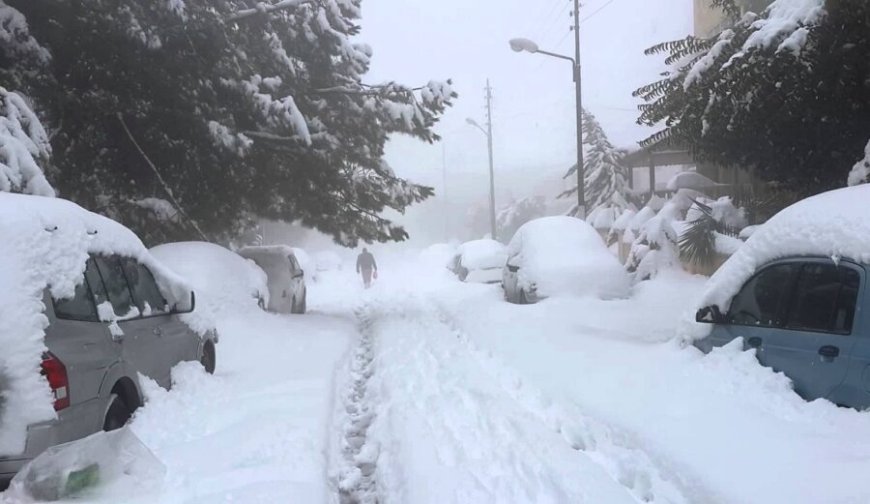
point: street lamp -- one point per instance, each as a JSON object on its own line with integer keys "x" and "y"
{"x": 488, "y": 133}
{"x": 526, "y": 45}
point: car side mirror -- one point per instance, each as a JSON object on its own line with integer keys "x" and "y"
{"x": 512, "y": 268}
{"x": 709, "y": 315}
{"x": 186, "y": 309}
{"x": 299, "y": 274}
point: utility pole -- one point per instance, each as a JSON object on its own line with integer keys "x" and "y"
{"x": 581, "y": 186}
{"x": 491, "y": 170}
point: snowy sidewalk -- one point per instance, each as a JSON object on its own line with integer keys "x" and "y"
{"x": 442, "y": 426}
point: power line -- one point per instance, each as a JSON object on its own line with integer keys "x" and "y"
{"x": 596, "y": 11}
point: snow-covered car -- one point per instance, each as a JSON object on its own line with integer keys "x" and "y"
{"x": 561, "y": 256}
{"x": 221, "y": 277}
{"x": 85, "y": 311}
{"x": 285, "y": 277}
{"x": 479, "y": 261}
{"x": 797, "y": 293}
{"x": 307, "y": 263}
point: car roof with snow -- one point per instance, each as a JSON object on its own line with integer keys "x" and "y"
{"x": 832, "y": 224}
{"x": 482, "y": 254}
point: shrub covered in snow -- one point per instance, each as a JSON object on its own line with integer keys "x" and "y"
{"x": 565, "y": 256}
{"x": 655, "y": 249}
{"x": 45, "y": 245}
{"x": 860, "y": 173}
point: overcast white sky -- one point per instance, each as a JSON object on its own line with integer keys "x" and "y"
{"x": 467, "y": 40}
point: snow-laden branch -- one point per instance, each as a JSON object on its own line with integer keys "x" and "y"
{"x": 265, "y": 8}
{"x": 23, "y": 141}
{"x": 860, "y": 173}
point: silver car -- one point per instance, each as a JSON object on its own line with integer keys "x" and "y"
{"x": 286, "y": 278}
{"x": 92, "y": 366}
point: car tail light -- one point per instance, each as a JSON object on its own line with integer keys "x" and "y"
{"x": 55, "y": 372}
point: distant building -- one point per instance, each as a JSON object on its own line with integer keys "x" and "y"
{"x": 709, "y": 20}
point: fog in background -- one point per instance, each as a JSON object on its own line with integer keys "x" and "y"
{"x": 533, "y": 111}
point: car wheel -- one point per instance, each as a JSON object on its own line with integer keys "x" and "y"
{"x": 208, "y": 358}
{"x": 117, "y": 415}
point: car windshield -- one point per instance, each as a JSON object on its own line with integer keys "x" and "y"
{"x": 452, "y": 251}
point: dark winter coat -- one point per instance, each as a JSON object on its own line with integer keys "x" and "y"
{"x": 366, "y": 261}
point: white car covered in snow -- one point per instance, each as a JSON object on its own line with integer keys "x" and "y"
{"x": 479, "y": 261}
{"x": 221, "y": 277}
{"x": 285, "y": 277}
{"x": 561, "y": 256}
{"x": 85, "y": 312}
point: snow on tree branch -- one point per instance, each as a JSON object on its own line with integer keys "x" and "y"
{"x": 23, "y": 141}
{"x": 266, "y": 7}
{"x": 860, "y": 173}
{"x": 15, "y": 37}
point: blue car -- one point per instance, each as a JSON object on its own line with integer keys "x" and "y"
{"x": 806, "y": 317}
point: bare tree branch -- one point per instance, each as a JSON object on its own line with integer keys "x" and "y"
{"x": 160, "y": 178}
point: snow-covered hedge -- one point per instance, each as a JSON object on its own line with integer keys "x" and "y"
{"x": 45, "y": 244}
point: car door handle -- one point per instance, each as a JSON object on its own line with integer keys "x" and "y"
{"x": 829, "y": 351}
{"x": 754, "y": 342}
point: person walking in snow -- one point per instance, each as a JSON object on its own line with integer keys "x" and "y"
{"x": 366, "y": 265}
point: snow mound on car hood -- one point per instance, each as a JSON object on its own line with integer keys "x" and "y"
{"x": 483, "y": 254}
{"x": 566, "y": 256}
{"x": 832, "y": 224}
{"x": 45, "y": 244}
{"x": 223, "y": 279}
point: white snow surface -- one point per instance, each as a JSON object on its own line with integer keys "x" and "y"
{"x": 439, "y": 391}
{"x": 482, "y": 254}
{"x": 831, "y": 224}
{"x": 46, "y": 242}
{"x": 240, "y": 282}
{"x": 566, "y": 256}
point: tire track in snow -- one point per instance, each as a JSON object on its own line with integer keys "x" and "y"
{"x": 356, "y": 478}
{"x": 649, "y": 477}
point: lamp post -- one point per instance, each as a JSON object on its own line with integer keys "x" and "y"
{"x": 526, "y": 45}
{"x": 488, "y": 133}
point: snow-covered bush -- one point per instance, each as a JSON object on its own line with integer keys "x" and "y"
{"x": 710, "y": 224}
{"x": 860, "y": 173}
{"x": 655, "y": 249}
{"x": 23, "y": 145}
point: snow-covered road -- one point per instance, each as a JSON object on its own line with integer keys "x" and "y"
{"x": 436, "y": 391}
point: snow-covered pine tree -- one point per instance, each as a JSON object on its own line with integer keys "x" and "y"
{"x": 605, "y": 178}
{"x": 23, "y": 146}
{"x": 783, "y": 91}
{"x": 228, "y": 110}
{"x": 517, "y": 213}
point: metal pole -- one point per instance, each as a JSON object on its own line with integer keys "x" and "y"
{"x": 491, "y": 170}
{"x": 581, "y": 185}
